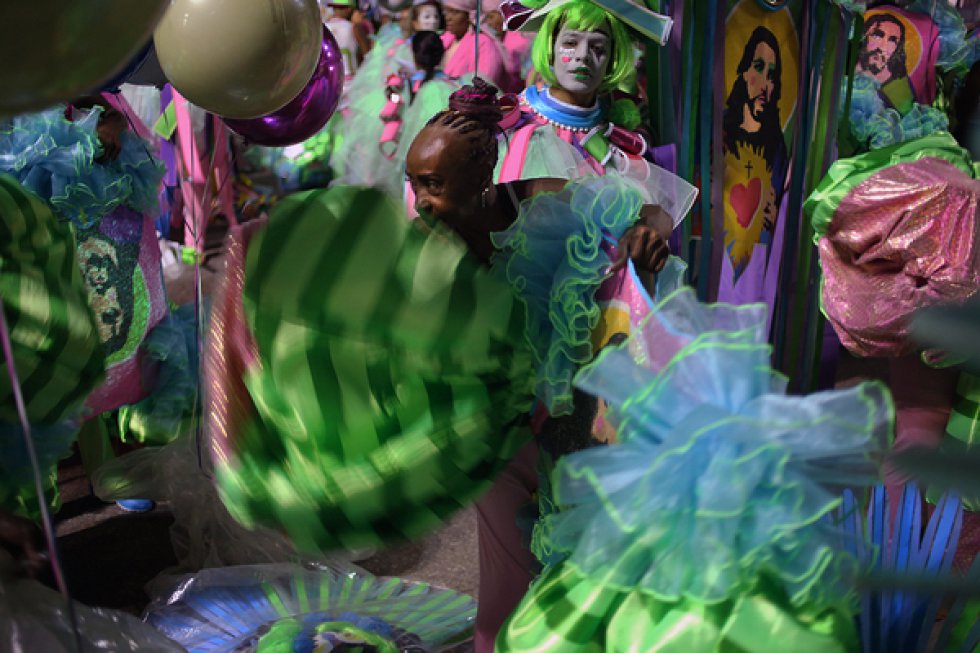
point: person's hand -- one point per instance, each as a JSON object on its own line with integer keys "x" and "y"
{"x": 22, "y": 539}
{"x": 112, "y": 124}
{"x": 645, "y": 242}
{"x": 644, "y": 245}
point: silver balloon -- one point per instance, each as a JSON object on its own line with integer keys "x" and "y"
{"x": 239, "y": 58}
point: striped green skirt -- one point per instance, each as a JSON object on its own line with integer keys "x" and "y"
{"x": 366, "y": 376}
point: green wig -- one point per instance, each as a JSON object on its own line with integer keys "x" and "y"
{"x": 587, "y": 17}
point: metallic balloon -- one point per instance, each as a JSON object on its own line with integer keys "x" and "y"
{"x": 309, "y": 111}
{"x": 239, "y": 58}
{"x": 54, "y": 50}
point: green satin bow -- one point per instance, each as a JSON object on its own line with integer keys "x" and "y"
{"x": 569, "y": 612}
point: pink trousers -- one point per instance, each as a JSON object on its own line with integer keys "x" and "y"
{"x": 923, "y": 400}
{"x": 505, "y": 562}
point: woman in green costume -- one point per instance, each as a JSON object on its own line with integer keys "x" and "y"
{"x": 370, "y": 375}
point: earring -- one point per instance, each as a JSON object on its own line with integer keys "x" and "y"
{"x": 483, "y": 198}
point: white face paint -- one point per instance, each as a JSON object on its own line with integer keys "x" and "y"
{"x": 581, "y": 60}
{"x": 428, "y": 19}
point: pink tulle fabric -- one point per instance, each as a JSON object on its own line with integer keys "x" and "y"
{"x": 903, "y": 239}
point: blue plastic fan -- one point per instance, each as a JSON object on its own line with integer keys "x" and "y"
{"x": 234, "y": 609}
{"x": 899, "y": 614}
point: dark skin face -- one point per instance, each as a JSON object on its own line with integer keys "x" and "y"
{"x": 495, "y": 21}
{"x": 457, "y": 22}
{"x": 111, "y": 126}
{"x": 451, "y": 192}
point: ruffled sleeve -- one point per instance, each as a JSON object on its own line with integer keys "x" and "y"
{"x": 896, "y": 233}
{"x": 170, "y": 352}
{"x": 552, "y": 257}
{"x": 56, "y": 158}
{"x": 846, "y": 174}
{"x": 956, "y": 49}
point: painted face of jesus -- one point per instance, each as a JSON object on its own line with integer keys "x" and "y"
{"x": 759, "y": 79}
{"x": 883, "y": 41}
{"x": 581, "y": 60}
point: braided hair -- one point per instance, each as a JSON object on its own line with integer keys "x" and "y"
{"x": 427, "y": 50}
{"x": 474, "y": 113}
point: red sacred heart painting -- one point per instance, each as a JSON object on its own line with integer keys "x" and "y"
{"x": 761, "y": 68}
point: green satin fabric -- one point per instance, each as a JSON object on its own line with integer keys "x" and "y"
{"x": 566, "y": 611}
{"x": 393, "y": 377}
{"x": 846, "y": 174}
{"x": 56, "y": 348}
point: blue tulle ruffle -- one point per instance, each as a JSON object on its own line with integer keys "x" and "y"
{"x": 956, "y": 49}
{"x": 52, "y": 442}
{"x": 719, "y": 477}
{"x": 553, "y": 258}
{"x": 877, "y": 126}
{"x": 170, "y": 348}
{"x": 56, "y": 158}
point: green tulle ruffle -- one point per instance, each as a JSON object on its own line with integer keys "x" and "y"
{"x": 553, "y": 257}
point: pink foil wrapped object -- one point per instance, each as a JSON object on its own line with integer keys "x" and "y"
{"x": 901, "y": 240}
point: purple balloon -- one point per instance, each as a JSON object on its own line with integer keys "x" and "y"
{"x": 308, "y": 112}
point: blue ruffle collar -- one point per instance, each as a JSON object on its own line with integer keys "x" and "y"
{"x": 561, "y": 113}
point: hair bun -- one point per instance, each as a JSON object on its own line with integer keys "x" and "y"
{"x": 478, "y": 101}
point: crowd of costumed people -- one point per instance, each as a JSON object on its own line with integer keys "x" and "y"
{"x": 676, "y": 297}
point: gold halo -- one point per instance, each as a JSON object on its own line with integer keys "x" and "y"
{"x": 741, "y": 22}
{"x": 913, "y": 42}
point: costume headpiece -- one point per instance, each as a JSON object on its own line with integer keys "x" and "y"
{"x": 528, "y": 16}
